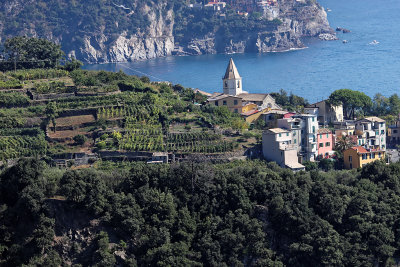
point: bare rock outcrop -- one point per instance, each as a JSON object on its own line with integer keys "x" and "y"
{"x": 289, "y": 22}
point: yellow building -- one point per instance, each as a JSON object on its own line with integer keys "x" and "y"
{"x": 358, "y": 156}
{"x": 249, "y": 107}
{"x": 233, "y": 103}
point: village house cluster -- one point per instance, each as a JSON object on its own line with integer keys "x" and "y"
{"x": 291, "y": 139}
{"x": 267, "y": 8}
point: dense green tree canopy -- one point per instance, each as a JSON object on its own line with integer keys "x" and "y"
{"x": 352, "y": 101}
{"x": 234, "y": 214}
{"x": 29, "y": 53}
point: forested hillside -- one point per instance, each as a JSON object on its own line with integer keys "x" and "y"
{"x": 115, "y": 31}
{"x": 202, "y": 209}
{"x": 198, "y": 214}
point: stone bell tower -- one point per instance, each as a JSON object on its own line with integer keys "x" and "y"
{"x": 232, "y": 82}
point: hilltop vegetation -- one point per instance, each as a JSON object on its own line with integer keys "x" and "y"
{"x": 239, "y": 214}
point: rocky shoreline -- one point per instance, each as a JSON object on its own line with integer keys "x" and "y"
{"x": 298, "y": 19}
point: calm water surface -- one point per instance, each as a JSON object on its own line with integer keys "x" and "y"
{"x": 312, "y": 73}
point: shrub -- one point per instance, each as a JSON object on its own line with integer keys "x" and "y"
{"x": 310, "y": 165}
{"x": 135, "y": 85}
{"x": 101, "y": 145}
{"x": 72, "y": 65}
{"x": 145, "y": 79}
{"x": 104, "y": 137}
{"x": 80, "y": 139}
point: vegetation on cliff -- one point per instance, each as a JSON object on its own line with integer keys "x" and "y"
{"x": 83, "y": 27}
{"x": 197, "y": 23}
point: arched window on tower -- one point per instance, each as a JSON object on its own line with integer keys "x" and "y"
{"x": 226, "y": 84}
{"x": 238, "y": 84}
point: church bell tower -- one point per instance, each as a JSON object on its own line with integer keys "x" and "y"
{"x": 232, "y": 82}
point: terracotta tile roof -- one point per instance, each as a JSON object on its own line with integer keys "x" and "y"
{"x": 288, "y": 115}
{"x": 324, "y": 131}
{"x": 360, "y": 149}
{"x": 363, "y": 150}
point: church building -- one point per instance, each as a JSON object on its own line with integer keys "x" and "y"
{"x": 237, "y": 100}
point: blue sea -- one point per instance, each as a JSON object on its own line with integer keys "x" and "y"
{"x": 314, "y": 72}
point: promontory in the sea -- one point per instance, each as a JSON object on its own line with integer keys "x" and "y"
{"x": 121, "y": 30}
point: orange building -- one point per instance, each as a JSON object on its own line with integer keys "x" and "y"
{"x": 358, "y": 156}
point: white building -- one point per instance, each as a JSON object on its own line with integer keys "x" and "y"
{"x": 270, "y": 8}
{"x": 374, "y": 131}
{"x": 304, "y": 128}
{"x": 278, "y": 147}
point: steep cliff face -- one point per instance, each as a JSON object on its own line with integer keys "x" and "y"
{"x": 156, "y": 42}
{"x": 94, "y": 31}
{"x": 299, "y": 19}
{"x": 139, "y": 30}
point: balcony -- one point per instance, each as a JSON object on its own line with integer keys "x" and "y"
{"x": 287, "y": 147}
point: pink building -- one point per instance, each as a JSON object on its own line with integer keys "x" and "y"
{"x": 325, "y": 142}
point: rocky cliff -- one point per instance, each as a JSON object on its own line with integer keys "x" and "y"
{"x": 158, "y": 41}
{"x": 297, "y": 20}
{"x": 99, "y": 32}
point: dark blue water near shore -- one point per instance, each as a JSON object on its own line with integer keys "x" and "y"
{"x": 312, "y": 73}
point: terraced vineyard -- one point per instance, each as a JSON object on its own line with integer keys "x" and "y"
{"x": 22, "y": 146}
{"x": 135, "y": 116}
{"x": 143, "y": 140}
